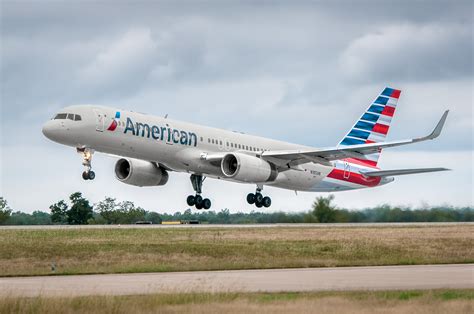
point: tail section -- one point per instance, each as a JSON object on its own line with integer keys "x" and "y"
{"x": 373, "y": 126}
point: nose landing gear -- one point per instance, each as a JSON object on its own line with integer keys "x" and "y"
{"x": 87, "y": 153}
{"x": 197, "y": 200}
{"x": 258, "y": 199}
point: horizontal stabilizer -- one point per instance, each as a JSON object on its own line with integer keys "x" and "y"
{"x": 400, "y": 172}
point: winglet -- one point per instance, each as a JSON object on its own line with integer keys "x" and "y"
{"x": 437, "y": 130}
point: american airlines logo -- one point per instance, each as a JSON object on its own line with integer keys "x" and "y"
{"x": 114, "y": 123}
{"x": 159, "y": 133}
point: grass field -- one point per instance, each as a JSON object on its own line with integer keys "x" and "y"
{"x": 435, "y": 301}
{"x": 81, "y": 251}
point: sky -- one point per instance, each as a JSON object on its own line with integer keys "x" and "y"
{"x": 298, "y": 71}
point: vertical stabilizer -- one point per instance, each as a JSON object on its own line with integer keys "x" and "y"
{"x": 373, "y": 125}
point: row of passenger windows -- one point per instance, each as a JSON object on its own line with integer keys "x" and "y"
{"x": 233, "y": 145}
{"x": 70, "y": 116}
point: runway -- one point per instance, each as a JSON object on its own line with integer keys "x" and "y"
{"x": 460, "y": 276}
{"x": 243, "y": 226}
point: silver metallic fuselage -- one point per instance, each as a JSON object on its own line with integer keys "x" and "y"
{"x": 189, "y": 153}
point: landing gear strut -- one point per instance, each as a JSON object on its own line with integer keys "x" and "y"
{"x": 197, "y": 200}
{"x": 258, "y": 199}
{"x": 87, "y": 153}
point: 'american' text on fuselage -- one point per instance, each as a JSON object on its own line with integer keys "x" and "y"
{"x": 161, "y": 133}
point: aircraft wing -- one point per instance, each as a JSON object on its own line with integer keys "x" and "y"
{"x": 325, "y": 155}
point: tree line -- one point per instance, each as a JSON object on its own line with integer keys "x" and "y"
{"x": 78, "y": 210}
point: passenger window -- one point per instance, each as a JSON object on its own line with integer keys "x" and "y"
{"x": 61, "y": 116}
{"x": 220, "y": 143}
{"x": 201, "y": 138}
{"x": 77, "y": 117}
{"x": 208, "y": 140}
{"x": 227, "y": 143}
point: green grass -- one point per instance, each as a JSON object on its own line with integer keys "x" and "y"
{"x": 429, "y": 301}
{"x": 83, "y": 251}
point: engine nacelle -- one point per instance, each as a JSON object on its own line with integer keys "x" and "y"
{"x": 247, "y": 168}
{"x": 140, "y": 172}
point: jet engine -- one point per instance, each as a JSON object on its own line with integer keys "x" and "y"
{"x": 247, "y": 168}
{"x": 140, "y": 172}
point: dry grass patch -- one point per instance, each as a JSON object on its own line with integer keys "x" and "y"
{"x": 437, "y": 301}
{"x": 81, "y": 251}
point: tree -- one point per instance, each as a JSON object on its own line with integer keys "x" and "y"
{"x": 36, "y": 218}
{"x": 121, "y": 213}
{"x": 80, "y": 210}
{"x": 108, "y": 210}
{"x": 130, "y": 213}
{"x": 322, "y": 209}
{"x": 40, "y": 218}
{"x": 155, "y": 218}
{"x": 5, "y": 211}
{"x": 59, "y": 212}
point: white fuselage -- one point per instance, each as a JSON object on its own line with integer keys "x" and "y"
{"x": 185, "y": 147}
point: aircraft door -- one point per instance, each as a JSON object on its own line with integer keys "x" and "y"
{"x": 99, "y": 121}
{"x": 347, "y": 170}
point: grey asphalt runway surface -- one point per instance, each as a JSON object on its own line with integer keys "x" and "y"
{"x": 285, "y": 225}
{"x": 269, "y": 280}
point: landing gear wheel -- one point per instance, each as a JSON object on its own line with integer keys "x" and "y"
{"x": 258, "y": 199}
{"x": 191, "y": 200}
{"x": 267, "y": 202}
{"x": 91, "y": 175}
{"x": 206, "y": 203}
{"x": 86, "y": 154}
{"x": 251, "y": 198}
{"x": 197, "y": 200}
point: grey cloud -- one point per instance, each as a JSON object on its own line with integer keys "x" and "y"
{"x": 410, "y": 53}
{"x": 298, "y": 71}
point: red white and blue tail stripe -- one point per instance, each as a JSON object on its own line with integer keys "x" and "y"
{"x": 373, "y": 126}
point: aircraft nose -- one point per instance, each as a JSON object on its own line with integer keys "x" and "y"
{"x": 48, "y": 129}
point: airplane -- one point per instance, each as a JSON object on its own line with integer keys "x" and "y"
{"x": 151, "y": 147}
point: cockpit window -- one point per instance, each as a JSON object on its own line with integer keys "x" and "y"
{"x": 70, "y": 116}
{"x": 60, "y": 116}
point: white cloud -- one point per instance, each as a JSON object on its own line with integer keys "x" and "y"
{"x": 123, "y": 64}
{"x": 410, "y": 52}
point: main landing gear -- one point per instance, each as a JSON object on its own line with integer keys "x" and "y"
{"x": 258, "y": 199}
{"x": 197, "y": 200}
{"x": 86, "y": 153}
